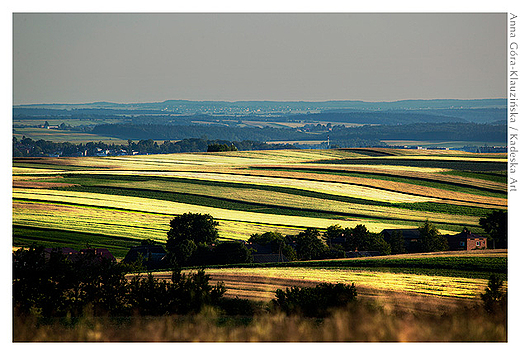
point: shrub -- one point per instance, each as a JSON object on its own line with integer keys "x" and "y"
{"x": 494, "y": 297}
{"x": 186, "y": 293}
{"x": 59, "y": 287}
{"x": 316, "y": 301}
{"x": 237, "y": 306}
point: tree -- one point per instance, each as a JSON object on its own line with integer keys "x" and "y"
{"x": 309, "y": 244}
{"x": 232, "y": 253}
{"x": 186, "y": 293}
{"x": 431, "y": 239}
{"x": 277, "y": 242}
{"x": 356, "y": 238}
{"x": 333, "y": 232}
{"x": 362, "y": 239}
{"x": 57, "y": 285}
{"x": 495, "y": 224}
{"x": 376, "y": 242}
{"x": 494, "y": 297}
{"x": 396, "y": 242}
{"x": 217, "y": 147}
{"x": 187, "y": 232}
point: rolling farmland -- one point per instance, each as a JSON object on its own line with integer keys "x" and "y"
{"x": 134, "y": 197}
{"x": 115, "y": 202}
{"x": 449, "y": 278}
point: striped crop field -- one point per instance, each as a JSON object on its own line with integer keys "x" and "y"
{"x": 445, "y": 275}
{"x": 257, "y": 191}
{"x": 366, "y": 280}
{"x": 108, "y": 202}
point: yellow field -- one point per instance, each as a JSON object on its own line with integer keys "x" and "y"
{"x": 165, "y": 208}
{"x": 116, "y": 214}
{"x": 400, "y": 171}
{"x": 94, "y": 220}
{"x": 261, "y": 283}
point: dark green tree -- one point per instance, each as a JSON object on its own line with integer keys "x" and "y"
{"x": 357, "y": 238}
{"x": 232, "y": 253}
{"x": 396, "y": 242}
{"x": 217, "y": 147}
{"x": 185, "y": 294}
{"x": 431, "y": 238}
{"x": 54, "y": 285}
{"x": 495, "y": 224}
{"x": 376, "y": 242}
{"x": 277, "y": 242}
{"x": 309, "y": 244}
{"x": 333, "y": 232}
{"x": 187, "y": 232}
{"x": 494, "y": 297}
{"x": 183, "y": 250}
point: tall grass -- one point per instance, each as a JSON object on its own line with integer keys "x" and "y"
{"x": 366, "y": 322}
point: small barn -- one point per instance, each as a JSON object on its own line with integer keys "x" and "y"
{"x": 68, "y": 252}
{"x": 98, "y": 253}
{"x": 74, "y": 255}
{"x": 411, "y": 237}
{"x": 264, "y": 254}
{"x": 466, "y": 241}
{"x": 152, "y": 255}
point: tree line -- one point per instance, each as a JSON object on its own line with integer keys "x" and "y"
{"x": 193, "y": 241}
{"x": 27, "y": 147}
{"x": 339, "y": 134}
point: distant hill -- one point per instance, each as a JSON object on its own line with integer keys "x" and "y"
{"x": 359, "y": 112}
{"x": 293, "y": 105}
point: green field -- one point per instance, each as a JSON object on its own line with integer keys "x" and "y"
{"x": 61, "y": 136}
{"x": 134, "y": 197}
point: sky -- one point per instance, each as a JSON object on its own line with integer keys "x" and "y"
{"x": 152, "y": 57}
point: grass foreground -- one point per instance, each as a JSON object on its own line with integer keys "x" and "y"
{"x": 366, "y": 322}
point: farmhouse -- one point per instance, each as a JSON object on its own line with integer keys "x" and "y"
{"x": 466, "y": 241}
{"x": 73, "y": 255}
{"x": 68, "y": 252}
{"x": 99, "y": 253}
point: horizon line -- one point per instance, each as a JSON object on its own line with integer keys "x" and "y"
{"x": 241, "y": 101}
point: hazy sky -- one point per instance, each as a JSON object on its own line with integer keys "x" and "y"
{"x": 75, "y": 58}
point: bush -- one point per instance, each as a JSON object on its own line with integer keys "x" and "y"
{"x": 494, "y": 297}
{"x": 237, "y": 306}
{"x": 316, "y": 301}
{"x": 59, "y": 287}
{"x": 184, "y": 294}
